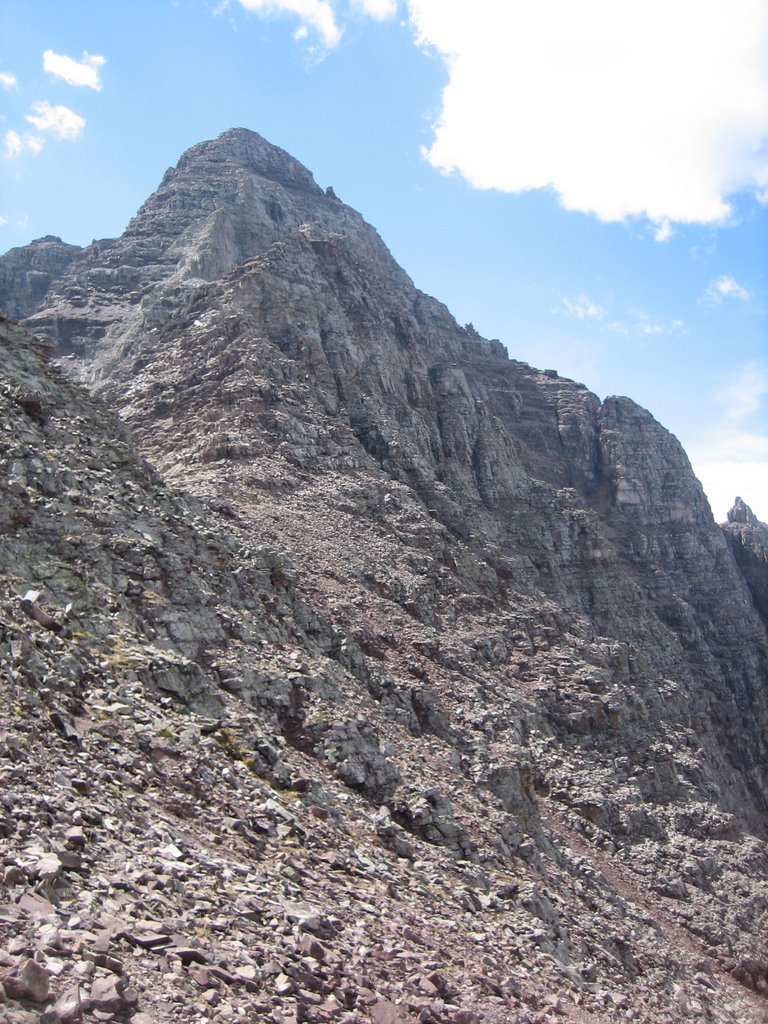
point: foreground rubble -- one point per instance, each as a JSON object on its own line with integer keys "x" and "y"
{"x": 316, "y": 850}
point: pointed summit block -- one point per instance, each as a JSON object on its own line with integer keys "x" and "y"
{"x": 240, "y": 147}
{"x": 225, "y": 202}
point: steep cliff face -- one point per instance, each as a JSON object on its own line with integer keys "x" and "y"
{"x": 524, "y": 639}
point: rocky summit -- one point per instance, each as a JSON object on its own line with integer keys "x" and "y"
{"x": 353, "y": 671}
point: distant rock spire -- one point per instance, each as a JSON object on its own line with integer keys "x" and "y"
{"x": 742, "y": 513}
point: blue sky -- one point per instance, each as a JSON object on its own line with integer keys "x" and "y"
{"x": 587, "y": 182}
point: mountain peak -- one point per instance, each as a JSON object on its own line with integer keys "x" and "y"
{"x": 429, "y": 633}
{"x": 241, "y": 147}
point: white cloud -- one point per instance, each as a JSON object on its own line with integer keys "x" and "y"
{"x": 7, "y": 79}
{"x": 314, "y": 14}
{"x": 3, "y": 220}
{"x": 581, "y": 308}
{"x": 378, "y": 9}
{"x": 725, "y": 288}
{"x": 663, "y": 231}
{"x": 623, "y": 109}
{"x": 85, "y": 72}
{"x": 61, "y": 122}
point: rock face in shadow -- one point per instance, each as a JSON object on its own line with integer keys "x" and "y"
{"x": 480, "y": 624}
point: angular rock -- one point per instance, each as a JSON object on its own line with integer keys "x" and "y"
{"x": 27, "y": 980}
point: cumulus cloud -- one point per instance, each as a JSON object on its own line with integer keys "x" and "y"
{"x": 725, "y": 288}
{"x": 3, "y": 220}
{"x": 60, "y": 122}
{"x": 581, "y": 308}
{"x": 85, "y": 72}
{"x": 317, "y": 15}
{"x": 623, "y": 109}
{"x": 7, "y": 79}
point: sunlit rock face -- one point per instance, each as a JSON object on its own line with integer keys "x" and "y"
{"x": 28, "y": 273}
{"x": 478, "y": 624}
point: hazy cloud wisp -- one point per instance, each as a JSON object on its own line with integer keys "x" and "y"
{"x": 581, "y": 308}
{"x": 15, "y": 144}
{"x": 743, "y": 395}
{"x": 378, "y": 9}
{"x": 315, "y": 14}
{"x": 725, "y": 288}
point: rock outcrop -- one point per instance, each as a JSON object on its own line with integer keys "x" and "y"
{"x": 28, "y": 273}
{"x": 437, "y": 664}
